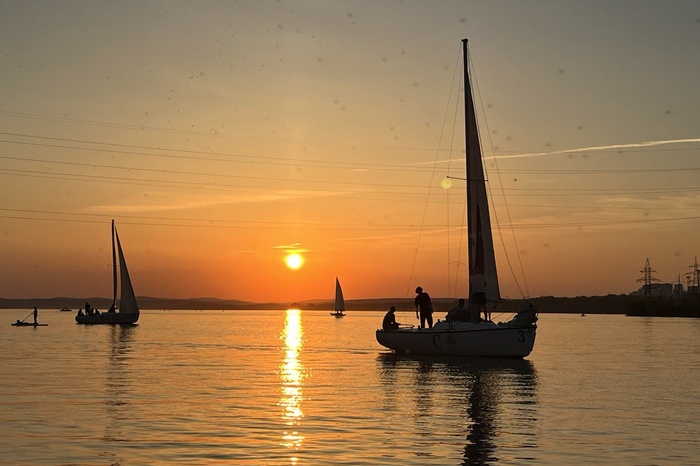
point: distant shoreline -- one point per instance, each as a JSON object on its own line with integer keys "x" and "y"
{"x": 610, "y": 304}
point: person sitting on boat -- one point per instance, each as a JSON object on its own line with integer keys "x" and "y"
{"x": 458, "y": 313}
{"x": 112, "y": 309}
{"x": 80, "y": 311}
{"x": 477, "y": 301}
{"x": 424, "y": 307}
{"x": 389, "y": 322}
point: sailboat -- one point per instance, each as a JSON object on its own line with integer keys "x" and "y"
{"x": 338, "y": 302}
{"x": 512, "y": 339}
{"x": 128, "y": 312}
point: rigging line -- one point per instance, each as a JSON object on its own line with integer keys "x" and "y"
{"x": 253, "y": 158}
{"x": 495, "y": 213}
{"x": 207, "y": 221}
{"x": 447, "y": 192}
{"x": 142, "y": 128}
{"x": 460, "y": 243}
{"x": 207, "y": 186}
{"x": 179, "y": 172}
{"x": 246, "y": 226}
{"x": 202, "y": 185}
{"x": 432, "y": 178}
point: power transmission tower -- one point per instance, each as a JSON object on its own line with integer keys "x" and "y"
{"x": 647, "y": 279}
{"x": 693, "y": 278}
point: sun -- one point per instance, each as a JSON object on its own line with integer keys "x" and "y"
{"x": 294, "y": 261}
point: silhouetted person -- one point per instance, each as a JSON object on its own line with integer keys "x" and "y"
{"x": 457, "y": 313}
{"x": 424, "y": 307}
{"x": 36, "y": 314}
{"x": 389, "y": 322}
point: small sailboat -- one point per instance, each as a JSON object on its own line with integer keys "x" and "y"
{"x": 513, "y": 339}
{"x": 338, "y": 302}
{"x": 128, "y": 312}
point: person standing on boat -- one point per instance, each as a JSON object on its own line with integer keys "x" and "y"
{"x": 36, "y": 314}
{"x": 389, "y": 322}
{"x": 424, "y": 307}
{"x": 477, "y": 301}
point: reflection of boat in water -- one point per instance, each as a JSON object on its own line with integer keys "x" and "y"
{"x": 128, "y": 312}
{"x": 119, "y": 383}
{"x": 339, "y": 301}
{"x": 496, "y": 395}
{"x": 514, "y": 338}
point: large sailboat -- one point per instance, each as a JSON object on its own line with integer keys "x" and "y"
{"x": 128, "y": 312}
{"x": 515, "y": 338}
{"x": 338, "y": 302}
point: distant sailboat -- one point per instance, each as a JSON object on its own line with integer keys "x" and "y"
{"x": 128, "y": 312}
{"x": 515, "y": 338}
{"x": 338, "y": 302}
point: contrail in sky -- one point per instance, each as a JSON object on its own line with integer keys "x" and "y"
{"x": 601, "y": 148}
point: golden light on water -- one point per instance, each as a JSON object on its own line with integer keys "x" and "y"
{"x": 292, "y": 377}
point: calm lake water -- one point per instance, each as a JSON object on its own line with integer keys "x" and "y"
{"x": 304, "y": 388}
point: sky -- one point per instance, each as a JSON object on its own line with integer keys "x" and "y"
{"x": 223, "y": 136}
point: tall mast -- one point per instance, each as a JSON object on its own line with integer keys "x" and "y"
{"x": 114, "y": 269}
{"x": 467, "y": 137}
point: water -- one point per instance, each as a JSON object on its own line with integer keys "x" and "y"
{"x": 304, "y": 388}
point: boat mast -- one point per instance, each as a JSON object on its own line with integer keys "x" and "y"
{"x": 467, "y": 136}
{"x": 114, "y": 270}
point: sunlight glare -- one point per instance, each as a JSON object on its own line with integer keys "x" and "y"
{"x": 292, "y": 375}
{"x": 294, "y": 261}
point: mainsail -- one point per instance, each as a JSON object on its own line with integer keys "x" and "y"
{"x": 482, "y": 260}
{"x": 127, "y": 300}
{"x": 339, "y": 304}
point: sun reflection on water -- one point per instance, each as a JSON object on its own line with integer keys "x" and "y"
{"x": 292, "y": 375}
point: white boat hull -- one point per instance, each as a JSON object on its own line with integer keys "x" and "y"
{"x": 484, "y": 339}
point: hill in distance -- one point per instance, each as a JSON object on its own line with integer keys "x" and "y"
{"x": 610, "y": 304}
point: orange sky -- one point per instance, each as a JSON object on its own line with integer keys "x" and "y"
{"x": 223, "y": 136}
